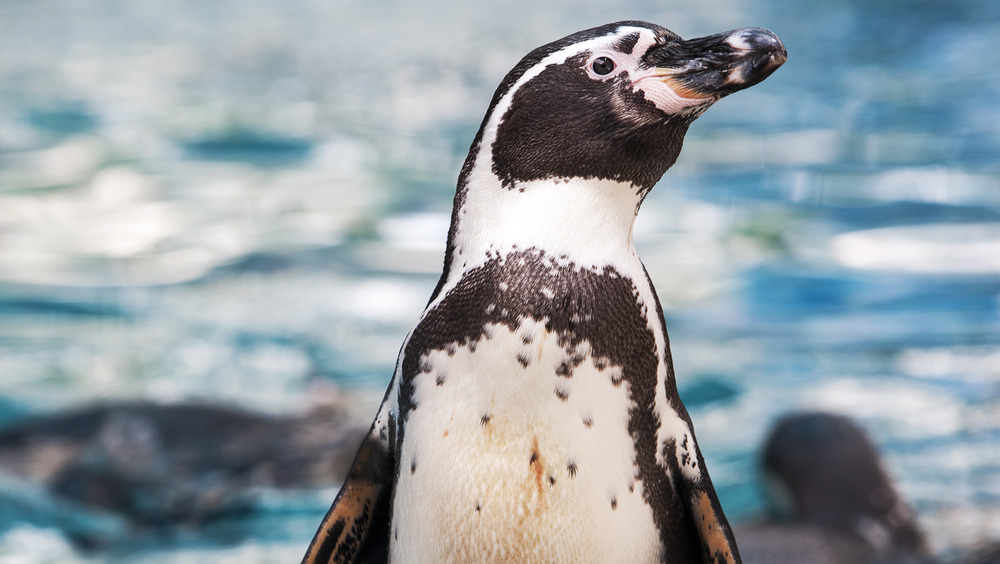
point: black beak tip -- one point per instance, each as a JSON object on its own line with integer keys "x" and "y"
{"x": 759, "y": 40}
{"x": 779, "y": 55}
{"x": 718, "y": 65}
{"x": 761, "y": 52}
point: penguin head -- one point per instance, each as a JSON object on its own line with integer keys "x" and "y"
{"x": 581, "y": 129}
{"x": 614, "y": 102}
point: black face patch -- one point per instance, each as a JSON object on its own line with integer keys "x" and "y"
{"x": 565, "y": 124}
{"x": 584, "y": 305}
{"x": 530, "y": 60}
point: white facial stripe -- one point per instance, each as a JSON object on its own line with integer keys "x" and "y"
{"x": 604, "y": 44}
{"x": 643, "y": 79}
{"x": 626, "y": 63}
{"x": 646, "y": 40}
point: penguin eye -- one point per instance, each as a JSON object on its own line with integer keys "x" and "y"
{"x": 603, "y": 65}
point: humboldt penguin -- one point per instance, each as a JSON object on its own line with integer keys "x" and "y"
{"x": 533, "y": 415}
{"x": 831, "y": 499}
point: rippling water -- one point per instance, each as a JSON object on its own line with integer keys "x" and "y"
{"x": 228, "y": 200}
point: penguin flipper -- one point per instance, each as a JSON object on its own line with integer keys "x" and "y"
{"x": 356, "y": 528}
{"x": 712, "y": 531}
{"x": 717, "y": 539}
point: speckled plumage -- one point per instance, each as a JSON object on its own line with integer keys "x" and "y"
{"x": 533, "y": 415}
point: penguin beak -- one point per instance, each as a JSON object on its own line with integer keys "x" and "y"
{"x": 718, "y": 65}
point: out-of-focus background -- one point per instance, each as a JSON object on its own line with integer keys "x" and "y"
{"x": 237, "y": 209}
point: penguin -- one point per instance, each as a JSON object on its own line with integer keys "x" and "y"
{"x": 831, "y": 498}
{"x": 533, "y": 414}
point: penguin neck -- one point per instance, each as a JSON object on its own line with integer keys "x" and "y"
{"x": 583, "y": 222}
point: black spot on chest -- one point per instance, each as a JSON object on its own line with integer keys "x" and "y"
{"x": 598, "y": 307}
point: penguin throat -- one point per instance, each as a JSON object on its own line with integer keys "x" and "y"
{"x": 586, "y": 221}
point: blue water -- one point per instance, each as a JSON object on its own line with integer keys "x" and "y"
{"x": 228, "y": 200}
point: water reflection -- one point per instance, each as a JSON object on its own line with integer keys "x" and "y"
{"x": 228, "y": 201}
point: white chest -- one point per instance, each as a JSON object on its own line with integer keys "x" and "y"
{"x": 519, "y": 450}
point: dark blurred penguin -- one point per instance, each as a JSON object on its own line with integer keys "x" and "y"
{"x": 832, "y": 500}
{"x": 161, "y": 465}
{"x": 989, "y": 554}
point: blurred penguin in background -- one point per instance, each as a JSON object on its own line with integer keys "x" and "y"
{"x": 831, "y": 500}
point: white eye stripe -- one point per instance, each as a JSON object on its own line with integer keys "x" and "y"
{"x": 625, "y": 63}
{"x": 597, "y": 46}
